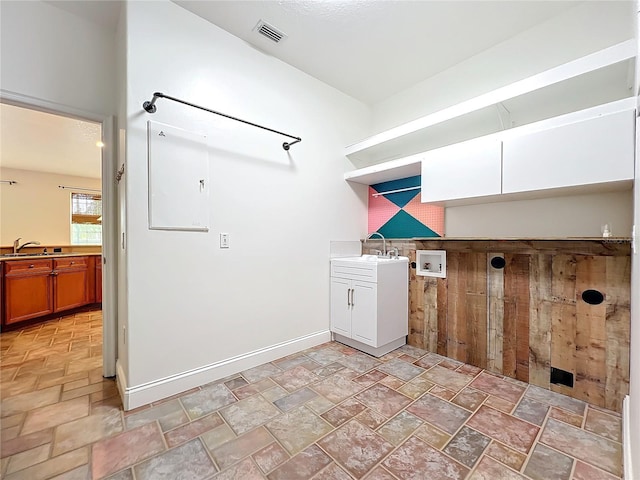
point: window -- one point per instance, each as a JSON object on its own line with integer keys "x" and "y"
{"x": 86, "y": 219}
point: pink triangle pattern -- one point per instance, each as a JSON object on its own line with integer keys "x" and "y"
{"x": 430, "y": 215}
{"x": 380, "y": 211}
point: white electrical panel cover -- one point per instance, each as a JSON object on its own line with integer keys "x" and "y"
{"x": 178, "y": 179}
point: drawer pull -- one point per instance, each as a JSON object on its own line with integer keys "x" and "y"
{"x": 31, "y": 265}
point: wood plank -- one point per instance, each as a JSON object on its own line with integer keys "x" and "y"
{"x": 416, "y": 337}
{"x": 599, "y": 246}
{"x": 618, "y": 301}
{"x": 509, "y": 349}
{"x": 540, "y": 313}
{"x": 456, "y": 296}
{"x": 443, "y": 312}
{"x": 563, "y": 317}
{"x": 476, "y": 309}
{"x": 495, "y": 298}
{"x": 590, "y": 331}
{"x": 520, "y": 270}
{"x": 430, "y": 302}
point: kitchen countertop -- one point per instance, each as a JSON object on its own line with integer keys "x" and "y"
{"x": 10, "y": 258}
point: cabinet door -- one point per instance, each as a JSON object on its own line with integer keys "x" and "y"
{"x": 464, "y": 170}
{"x": 27, "y": 296}
{"x": 364, "y": 321}
{"x": 599, "y": 150}
{"x": 341, "y": 306}
{"x": 70, "y": 289}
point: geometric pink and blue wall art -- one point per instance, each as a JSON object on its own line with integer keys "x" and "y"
{"x": 402, "y": 214}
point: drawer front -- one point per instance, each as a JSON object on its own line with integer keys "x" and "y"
{"x": 354, "y": 271}
{"x": 27, "y": 267}
{"x": 70, "y": 262}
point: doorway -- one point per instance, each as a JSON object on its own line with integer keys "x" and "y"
{"x": 72, "y": 153}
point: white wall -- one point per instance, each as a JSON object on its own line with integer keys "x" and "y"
{"x": 190, "y": 303}
{"x": 35, "y": 208}
{"x": 584, "y": 29}
{"x": 51, "y": 54}
{"x": 567, "y": 216}
{"x": 589, "y": 27}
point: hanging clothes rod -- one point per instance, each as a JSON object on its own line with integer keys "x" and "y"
{"x": 10, "y": 182}
{"x": 150, "y": 107}
{"x": 67, "y": 187}
{"x": 377, "y": 194}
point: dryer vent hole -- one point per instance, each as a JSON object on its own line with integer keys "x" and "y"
{"x": 592, "y": 297}
{"x": 498, "y": 262}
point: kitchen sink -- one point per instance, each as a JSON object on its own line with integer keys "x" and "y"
{"x": 48, "y": 254}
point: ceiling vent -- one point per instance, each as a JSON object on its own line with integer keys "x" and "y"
{"x": 269, "y": 31}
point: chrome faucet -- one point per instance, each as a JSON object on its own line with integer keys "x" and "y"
{"x": 384, "y": 242}
{"x": 17, "y": 247}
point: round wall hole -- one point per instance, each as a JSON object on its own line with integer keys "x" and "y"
{"x": 498, "y": 262}
{"x": 593, "y": 297}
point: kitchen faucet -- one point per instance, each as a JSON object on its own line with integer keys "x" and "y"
{"x": 17, "y": 247}
{"x": 384, "y": 242}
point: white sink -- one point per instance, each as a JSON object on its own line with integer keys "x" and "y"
{"x": 374, "y": 259}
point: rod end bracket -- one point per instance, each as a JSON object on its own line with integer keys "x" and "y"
{"x": 149, "y": 107}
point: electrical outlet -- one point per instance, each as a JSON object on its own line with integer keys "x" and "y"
{"x": 224, "y": 240}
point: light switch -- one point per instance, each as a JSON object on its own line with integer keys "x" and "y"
{"x": 224, "y": 240}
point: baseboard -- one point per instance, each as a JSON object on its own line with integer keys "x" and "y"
{"x": 121, "y": 383}
{"x": 139, "y": 395}
{"x": 626, "y": 439}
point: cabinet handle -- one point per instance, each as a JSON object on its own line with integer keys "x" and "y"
{"x": 31, "y": 266}
{"x": 54, "y": 273}
{"x": 348, "y": 293}
{"x": 72, "y": 263}
{"x": 353, "y": 292}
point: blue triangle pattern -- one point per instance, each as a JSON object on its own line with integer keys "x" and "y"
{"x": 400, "y": 198}
{"x": 403, "y": 225}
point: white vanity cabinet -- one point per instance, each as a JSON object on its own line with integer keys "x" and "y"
{"x": 369, "y": 302}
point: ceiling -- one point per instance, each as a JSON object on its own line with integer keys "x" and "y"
{"x": 38, "y": 141}
{"x": 368, "y": 49}
{"x": 371, "y": 49}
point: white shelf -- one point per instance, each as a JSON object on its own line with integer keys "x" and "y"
{"x": 385, "y": 172}
{"x": 412, "y": 165}
{"x": 601, "y": 77}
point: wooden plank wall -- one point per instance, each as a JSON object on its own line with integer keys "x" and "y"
{"x": 529, "y": 316}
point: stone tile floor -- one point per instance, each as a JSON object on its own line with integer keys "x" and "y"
{"x": 328, "y": 413}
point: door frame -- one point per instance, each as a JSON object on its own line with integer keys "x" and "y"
{"x": 109, "y": 231}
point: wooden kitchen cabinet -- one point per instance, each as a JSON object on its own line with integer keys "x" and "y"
{"x": 70, "y": 283}
{"x": 27, "y": 290}
{"x": 37, "y": 287}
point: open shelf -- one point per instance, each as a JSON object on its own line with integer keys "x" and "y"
{"x": 601, "y": 77}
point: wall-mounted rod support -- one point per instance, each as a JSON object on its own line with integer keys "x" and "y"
{"x": 150, "y": 107}
{"x": 377, "y": 194}
{"x": 10, "y": 182}
{"x": 67, "y": 187}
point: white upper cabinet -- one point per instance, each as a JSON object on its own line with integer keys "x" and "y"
{"x": 465, "y": 170}
{"x": 587, "y": 153}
